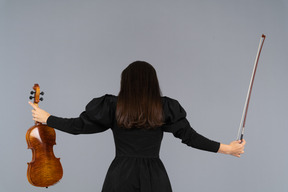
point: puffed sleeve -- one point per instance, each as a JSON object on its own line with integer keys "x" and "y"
{"x": 177, "y": 124}
{"x": 97, "y": 117}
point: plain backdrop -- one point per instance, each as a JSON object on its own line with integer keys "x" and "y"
{"x": 203, "y": 51}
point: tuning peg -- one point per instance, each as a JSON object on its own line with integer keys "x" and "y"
{"x": 32, "y": 92}
{"x": 42, "y": 93}
{"x": 41, "y": 99}
{"x": 31, "y": 97}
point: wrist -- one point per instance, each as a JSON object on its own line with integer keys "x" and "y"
{"x": 225, "y": 149}
{"x": 48, "y": 115}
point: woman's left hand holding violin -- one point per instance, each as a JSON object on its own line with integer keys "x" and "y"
{"x": 39, "y": 114}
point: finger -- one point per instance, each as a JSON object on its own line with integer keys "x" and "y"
{"x": 237, "y": 141}
{"x": 33, "y": 105}
{"x": 237, "y": 155}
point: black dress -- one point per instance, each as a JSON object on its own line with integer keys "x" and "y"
{"x": 136, "y": 167}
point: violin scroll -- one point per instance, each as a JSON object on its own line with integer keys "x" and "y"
{"x": 36, "y": 94}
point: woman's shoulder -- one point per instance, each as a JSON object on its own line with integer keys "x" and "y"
{"x": 110, "y": 97}
{"x": 168, "y": 101}
{"x": 172, "y": 109}
{"x": 102, "y": 101}
{"x": 105, "y": 98}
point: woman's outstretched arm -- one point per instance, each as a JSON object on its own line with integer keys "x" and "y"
{"x": 75, "y": 126}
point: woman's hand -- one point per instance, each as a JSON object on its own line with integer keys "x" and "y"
{"x": 235, "y": 148}
{"x": 38, "y": 114}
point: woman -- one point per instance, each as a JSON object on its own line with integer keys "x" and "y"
{"x": 138, "y": 117}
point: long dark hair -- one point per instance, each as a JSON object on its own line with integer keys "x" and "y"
{"x": 139, "y": 102}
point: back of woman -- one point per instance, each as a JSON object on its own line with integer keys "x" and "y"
{"x": 138, "y": 116}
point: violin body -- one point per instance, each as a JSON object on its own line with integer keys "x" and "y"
{"x": 45, "y": 169}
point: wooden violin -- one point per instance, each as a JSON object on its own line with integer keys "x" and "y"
{"x": 45, "y": 169}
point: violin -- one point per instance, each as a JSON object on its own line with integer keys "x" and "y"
{"x": 45, "y": 169}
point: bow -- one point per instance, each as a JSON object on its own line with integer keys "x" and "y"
{"x": 245, "y": 110}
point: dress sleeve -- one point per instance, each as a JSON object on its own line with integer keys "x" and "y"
{"x": 97, "y": 117}
{"x": 177, "y": 124}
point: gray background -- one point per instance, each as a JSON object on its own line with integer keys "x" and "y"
{"x": 204, "y": 53}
